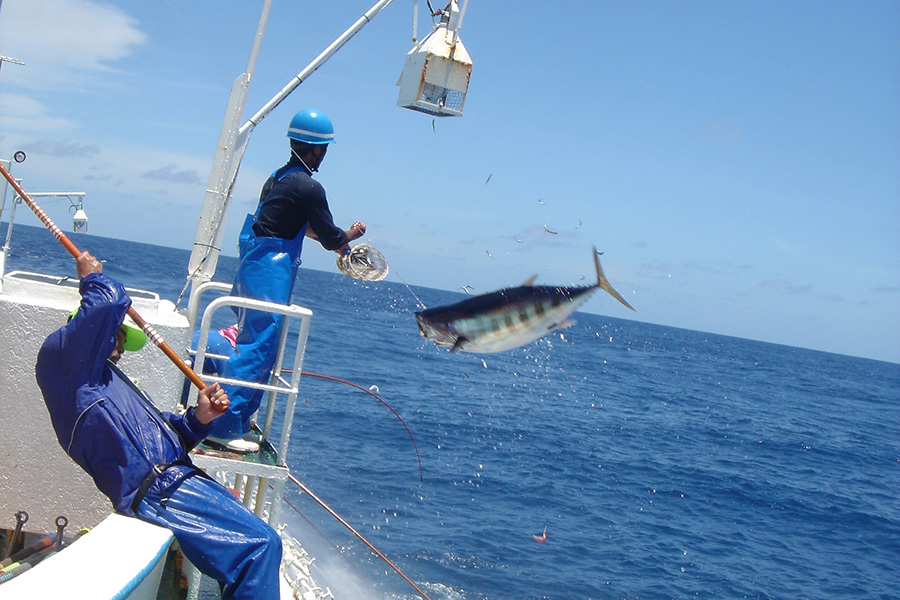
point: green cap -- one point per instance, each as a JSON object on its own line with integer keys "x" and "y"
{"x": 135, "y": 338}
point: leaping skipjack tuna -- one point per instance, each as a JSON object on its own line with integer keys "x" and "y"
{"x": 506, "y": 319}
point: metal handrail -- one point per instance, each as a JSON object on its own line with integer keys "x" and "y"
{"x": 280, "y": 385}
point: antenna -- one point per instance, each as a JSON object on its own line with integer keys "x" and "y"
{"x": 14, "y": 61}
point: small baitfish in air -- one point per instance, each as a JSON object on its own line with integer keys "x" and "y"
{"x": 506, "y": 319}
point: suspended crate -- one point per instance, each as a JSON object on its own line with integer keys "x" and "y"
{"x": 436, "y": 73}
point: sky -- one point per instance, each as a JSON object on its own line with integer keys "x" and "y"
{"x": 737, "y": 163}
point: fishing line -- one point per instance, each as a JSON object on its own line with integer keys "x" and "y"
{"x": 324, "y": 537}
{"x": 419, "y": 303}
{"x": 308, "y": 522}
{"x": 371, "y": 393}
{"x": 341, "y": 520}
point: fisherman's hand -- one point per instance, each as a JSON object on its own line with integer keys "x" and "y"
{"x": 212, "y": 401}
{"x": 86, "y": 264}
{"x": 356, "y": 231}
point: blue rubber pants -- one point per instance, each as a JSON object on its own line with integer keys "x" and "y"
{"x": 267, "y": 272}
{"x": 220, "y": 536}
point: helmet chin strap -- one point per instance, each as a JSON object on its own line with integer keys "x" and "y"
{"x": 303, "y": 162}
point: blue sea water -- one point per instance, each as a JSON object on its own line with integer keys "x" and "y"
{"x": 665, "y": 463}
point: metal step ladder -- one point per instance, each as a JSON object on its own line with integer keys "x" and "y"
{"x": 251, "y": 476}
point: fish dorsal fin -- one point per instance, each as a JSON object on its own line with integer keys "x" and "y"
{"x": 530, "y": 281}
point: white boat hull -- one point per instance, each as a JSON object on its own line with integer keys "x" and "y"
{"x": 121, "y": 558}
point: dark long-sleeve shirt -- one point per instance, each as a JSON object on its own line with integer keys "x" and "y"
{"x": 288, "y": 202}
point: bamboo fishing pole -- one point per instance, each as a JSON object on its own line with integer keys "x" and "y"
{"x": 152, "y": 334}
{"x": 341, "y": 520}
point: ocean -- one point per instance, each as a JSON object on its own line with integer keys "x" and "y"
{"x": 663, "y": 463}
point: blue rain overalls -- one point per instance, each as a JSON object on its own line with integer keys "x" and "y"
{"x": 137, "y": 455}
{"x": 219, "y": 535}
{"x": 267, "y": 271}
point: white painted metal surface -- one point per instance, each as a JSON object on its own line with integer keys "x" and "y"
{"x": 121, "y": 558}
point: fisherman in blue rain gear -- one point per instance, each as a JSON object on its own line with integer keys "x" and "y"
{"x": 136, "y": 454}
{"x": 292, "y": 205}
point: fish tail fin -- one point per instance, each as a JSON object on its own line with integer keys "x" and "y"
{"x": 603, "y": 283}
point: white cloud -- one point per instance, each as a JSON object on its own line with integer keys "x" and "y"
{"x": 64, "y": 41}
{"x": 783, "y": 285}
{"x": 23, "y": 113}
{"x": 169, "y": 173}
{"x": 61, "y": 149}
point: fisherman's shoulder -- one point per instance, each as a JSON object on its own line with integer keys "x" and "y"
{"x": 296, "y": 176}
{"x": 300, "y": 186}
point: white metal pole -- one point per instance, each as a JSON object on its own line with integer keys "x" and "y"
{"x": 205, "y": 251}
{"x": 462, "y": 13}
{"x": 9, "y": 224}
{"x": 257, "y": 39}
{"x": 314, "y": 65}
{"x": 8, "y": 165}
{"x": 18, "y": 157}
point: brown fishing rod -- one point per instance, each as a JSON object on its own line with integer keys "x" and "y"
{"x": 341, "y": 520}
{"x": 44, "y": 542}
{"x": 152, "y": 334}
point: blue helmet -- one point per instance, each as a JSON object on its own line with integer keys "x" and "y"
{"x": 312, "y": 127}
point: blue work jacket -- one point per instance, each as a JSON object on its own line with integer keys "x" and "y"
{"x": 102, "y": 420}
